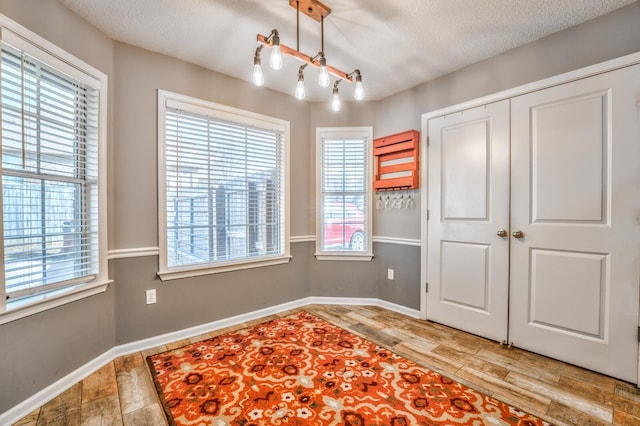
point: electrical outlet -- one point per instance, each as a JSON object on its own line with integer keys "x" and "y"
{"x": 151, "y": 296}
{"x": 390, "y": 274}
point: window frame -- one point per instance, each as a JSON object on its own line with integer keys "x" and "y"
{"x": 41, "y": 49}
{"x": 345, "y": 133}
{"x": 223, "y": 112}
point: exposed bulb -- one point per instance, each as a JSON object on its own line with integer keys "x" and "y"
{"x": 335, "y": 100}
{"x": 275, "y": 61}
{"x": 258, "y": 76}
{"x": 358, "y": 92}
{"x": 300, "y": 93}
{"x": 323, "y": 77}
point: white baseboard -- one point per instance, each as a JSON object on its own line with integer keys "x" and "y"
{"x": 186, "y": 333}
{"x": 414, "y": 313}
{"x": 47, "y": 394}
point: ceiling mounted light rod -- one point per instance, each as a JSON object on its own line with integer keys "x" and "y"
{"x": 297, "y": 25}
{"x": 322, "y": 35}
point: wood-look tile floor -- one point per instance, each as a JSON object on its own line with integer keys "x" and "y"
{"x": 122, "y": 392}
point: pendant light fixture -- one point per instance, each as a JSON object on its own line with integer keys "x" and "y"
{"x": 358, "y": 92}
{"x": 317, "y": 11}
{"x": 335, "y": 98}
{"x": 300, "y": 92}
{"x": 323, "y": 77}
{"x": 258, "y": 76}
{"x": 276, "y": 56}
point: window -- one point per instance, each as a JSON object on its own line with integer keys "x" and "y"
{"x": 343, "y": 193}
{"x": 223, "y": 186}
{"x": 51, "y": 190}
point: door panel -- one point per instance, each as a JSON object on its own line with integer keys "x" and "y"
{"x": 569, "y": 169}
{"x": 560, "y": 276}
{"x": 465, "y": 171}
{"x": 467, "y": 265}
{"x": 466, "y": 287}
{"x": 575, "y": 178}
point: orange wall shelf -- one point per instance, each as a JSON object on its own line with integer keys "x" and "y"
{"x": 397, "y": 161}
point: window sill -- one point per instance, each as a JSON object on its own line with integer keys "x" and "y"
{"x": 229, "y": 267}
{"x": 358, "y": 257}
{"x": 43, "y": 302}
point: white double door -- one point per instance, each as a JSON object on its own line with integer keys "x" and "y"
{"x": 534, "y": 228}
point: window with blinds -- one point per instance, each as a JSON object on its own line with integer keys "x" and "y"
{"x": 224, "y": 186}
{"x": 344, "y": 170}
{"x": 49, "y": 172}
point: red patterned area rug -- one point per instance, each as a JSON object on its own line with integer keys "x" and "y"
{"x": 301, "y": 370}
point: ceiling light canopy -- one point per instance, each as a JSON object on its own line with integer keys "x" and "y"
{"x": 317, "y": 11}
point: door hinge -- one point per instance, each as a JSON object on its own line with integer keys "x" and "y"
{"x": 427, "y": 214}
{"x": 426, "y": 286}
{"x": 639, "y": 333}
{"x": 427, "y": 141}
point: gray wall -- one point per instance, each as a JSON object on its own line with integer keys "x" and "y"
{"x": 40, "y": 349}
{"x": 352, "y": 114}
{"x": 606, "y": 37}
{"x": 404, "y": 289}
{"x": 76, "y": 333}
{"x": 139, "y": 74}
{"x": 338, "y": 278}
{"x": 189, "y": 302}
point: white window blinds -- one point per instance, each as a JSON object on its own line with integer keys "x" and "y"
{"x": 49, "y": 175}
{"x": 343, "y": 198}
{"x": 225, "y": 188}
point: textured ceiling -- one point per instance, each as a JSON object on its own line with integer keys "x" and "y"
{"x": 397, "y": 44}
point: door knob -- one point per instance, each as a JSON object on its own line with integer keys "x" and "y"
{"x": 502, "y": 233}
{"x": 518, "y": 234}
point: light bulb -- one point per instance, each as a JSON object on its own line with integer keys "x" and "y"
{"x": 258, "y": 76}
{"x": 323, "y": 77}
{"x": 358, "y": 92}
{"x": 276, "y": 57}
{"x": 300, "y": 94}
{"x": 335, "y": 100}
